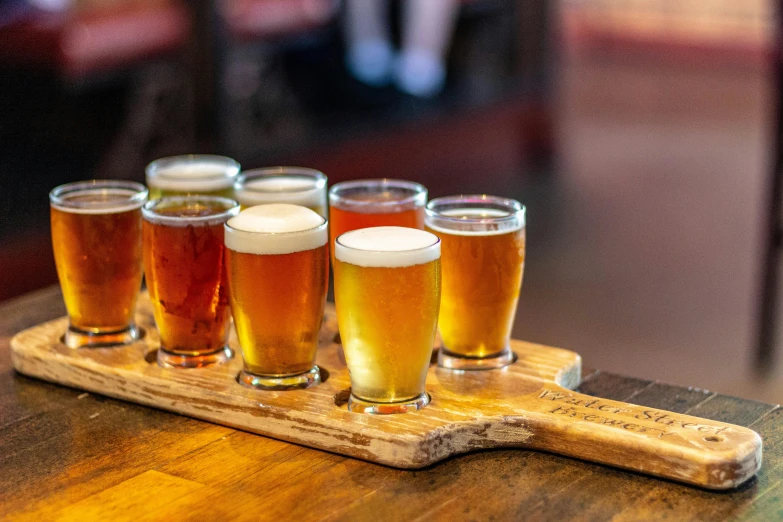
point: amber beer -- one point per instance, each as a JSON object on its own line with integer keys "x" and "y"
{"x": 192, "y": 174}
{"x": 375, "y": 203}
{"x": 387, "y": 292}
{"x": 186, "y": 277}
{"x": 483, "y": 256}
{"x": 294, "y": 185}
{"x": 278, "y": 274}
{"x": 96, "y": 236}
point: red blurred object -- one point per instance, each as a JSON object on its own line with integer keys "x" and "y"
{"x": 723, "y": 32}
{"x": 254, "y": 19}
{"x": 82, "y": 41}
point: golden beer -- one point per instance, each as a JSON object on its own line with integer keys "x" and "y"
{"x": 387, "y": 292}
{"x": 186, "y": 277}
{"x": 96, "y": 237}
{"x": 192, "y": 174}
{"x": 278, "y": 275}
{"x": 293, "y": 185}
{"x": 483, "y": 257}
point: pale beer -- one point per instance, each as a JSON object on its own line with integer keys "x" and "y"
{"x": 387, "y": 293}
{"x": 278, "y": 275}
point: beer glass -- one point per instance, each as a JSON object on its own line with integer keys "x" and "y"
{"x": 278, "y": 273}
{"x": 373, "y": 203}
{"x": 483, "y": 256}
{"x": 190, "y": 174}
{"x": 294, "y": 185}
{"x": 186, "y": 277}
{"x": 387, "y": 292}
{"x": 96, "y": 237}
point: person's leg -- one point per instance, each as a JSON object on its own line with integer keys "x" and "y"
{"x": 427, "y": 29}
{"x": 368, "y": 42}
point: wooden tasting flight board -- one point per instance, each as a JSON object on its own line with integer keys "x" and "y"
{"x": 529, "y": 404}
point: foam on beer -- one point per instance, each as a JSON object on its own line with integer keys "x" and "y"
{"x": 389, "y": 247}
{"x": 278, "y": 228}
{"x": 476, "y": 222}
{"x": 297, "y": 190}
{"x": 204, "y": 175}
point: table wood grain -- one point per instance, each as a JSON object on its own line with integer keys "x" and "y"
{"x": 66, "y": 454}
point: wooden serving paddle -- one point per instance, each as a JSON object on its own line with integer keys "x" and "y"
{"x": 529, "y": 404}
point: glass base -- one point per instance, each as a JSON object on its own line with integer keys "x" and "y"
{"x": 179, "y": 360}
{"x": 76, "y": 338}
{"x": 453, "y": 361}
{"x": 281, "y": 382}
{"x": 358, "y": 405}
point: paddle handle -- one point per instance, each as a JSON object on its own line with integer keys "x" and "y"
{"x": 697, "y": 451}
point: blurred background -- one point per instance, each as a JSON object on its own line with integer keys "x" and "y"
{"x": 642, "y": 135}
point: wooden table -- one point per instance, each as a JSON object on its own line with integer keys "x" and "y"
{"x": 65, "y": 454}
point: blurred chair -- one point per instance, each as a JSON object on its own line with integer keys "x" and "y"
{"x": 88, "y": 48}
{"x": 95, "y": 38}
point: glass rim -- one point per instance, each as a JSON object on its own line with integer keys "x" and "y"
{"x": 154, "y": 174}
{"x": 230, "y": 208}
{"x": 418, "y": 196}
{"x": 249, "y": 195}
{"x": 282, "y": 171}
{"x": 516, "y": 210}
{"x": 137, "y": 195}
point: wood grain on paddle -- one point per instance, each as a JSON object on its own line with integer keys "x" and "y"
{"x": 528, "y": 404}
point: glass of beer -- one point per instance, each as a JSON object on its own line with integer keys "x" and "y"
{"x": 374, "y": 203}
{"x": 186, "y": 277}
{"x": 294, "y": 185}
{"x": 387, "y": 292}
{"x": 96, "y": 236}
{"x": 278, "y": 273}
{"x": 483, "y": 256}
{"x": 201, "y": 174}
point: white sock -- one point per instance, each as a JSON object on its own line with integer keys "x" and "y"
{"x": 420, "y": 73}
{"x": 370, "y": 61}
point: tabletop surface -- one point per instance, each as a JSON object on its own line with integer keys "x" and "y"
{"x": 66, "y": 454}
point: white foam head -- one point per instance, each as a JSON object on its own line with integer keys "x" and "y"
{"x": 390, "y": 247}
{"x": 192, "y": 173}
{"x": 278, "y": 228}
{"x": 297, "y": 190}
{"x": 475, "y": 221}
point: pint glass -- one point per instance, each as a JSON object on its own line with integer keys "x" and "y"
{"x": 374, "y": 203}
{"x": 387, "y": 292}
{"x": 483, "y": 255}
{"x": 278, "y": 273}
{"x": 96, "y": 236}
{"x": 186, "y": 277}
{"x": 202, "y": 174}
{"x": 294, "y": 185}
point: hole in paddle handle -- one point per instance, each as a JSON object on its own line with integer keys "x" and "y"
{"x": 152, "y": 357}
{"x": 341, "y": 398}
{"x": 713, "y": 438}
